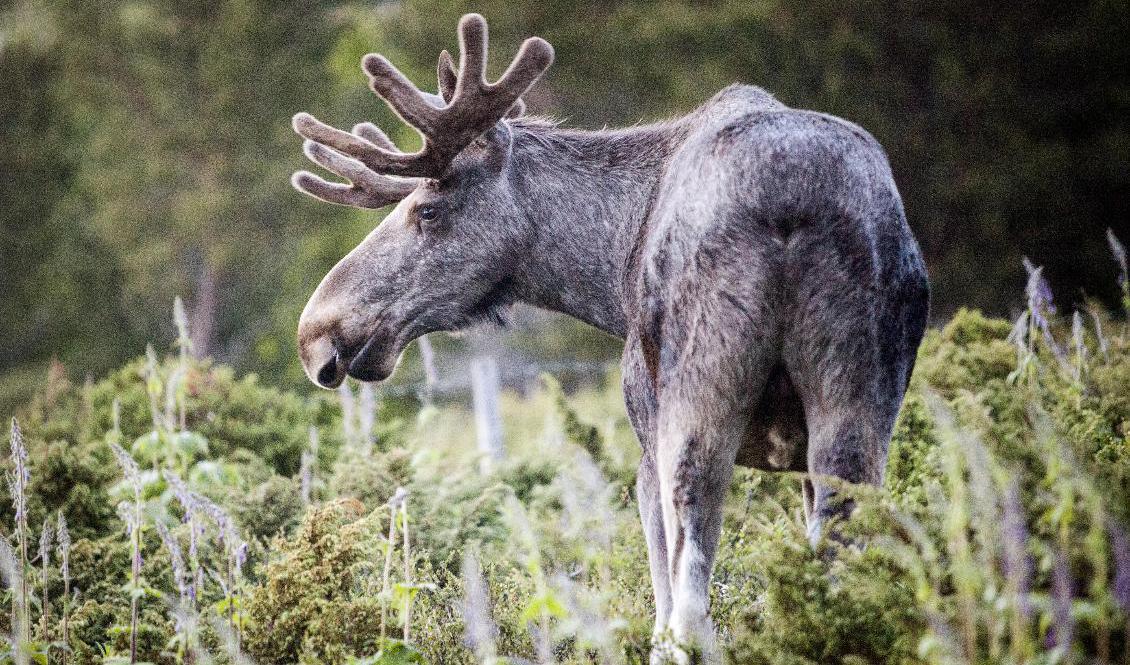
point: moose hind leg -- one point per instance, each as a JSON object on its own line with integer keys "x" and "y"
{"x": 703, "y": 414}
{"x": 651, "y": 516}
{"x": 640, "y": 400}
{"x": 851, "y": 448}
{"x": 695, "y": 466}
{"x": 851, "y": 383}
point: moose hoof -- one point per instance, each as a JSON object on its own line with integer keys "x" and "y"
{"x": 667, "y": 650}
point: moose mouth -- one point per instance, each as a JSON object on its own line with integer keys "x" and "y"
{"x": 370, "y": 363}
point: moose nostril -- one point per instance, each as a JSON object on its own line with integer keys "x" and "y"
{"x": 327, "y": 376}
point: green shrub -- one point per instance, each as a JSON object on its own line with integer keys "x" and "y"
{"x": 315, "y": 602}
{"x": 860, "y": 608}
{"x": 986, "y": 463}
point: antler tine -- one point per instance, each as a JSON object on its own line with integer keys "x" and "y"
{"x": 355, "y": 145}
{"x": 374, "y": 135}
{"x": 473, "y": 104}
{"x": 401, "y": 94}
{"x": 448, "y": 77}
{"x": 534, "y": 57}
{"x": 472, "y": 54}
{"x": 367, "y": 189}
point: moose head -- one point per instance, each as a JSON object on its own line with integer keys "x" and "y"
{"x": 439, "y": 260}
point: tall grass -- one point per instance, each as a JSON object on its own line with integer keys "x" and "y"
{"x": 63, "y": 547}
{"x": 999, "y": 536}
{"x": 18, "y": 478}
{"x": 130, "y": 513}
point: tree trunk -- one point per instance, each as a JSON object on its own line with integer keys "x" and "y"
{"x": 205, "y": 309}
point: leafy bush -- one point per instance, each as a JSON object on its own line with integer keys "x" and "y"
{"x": 999, "y": 534}
{"x": 315, "y": 604}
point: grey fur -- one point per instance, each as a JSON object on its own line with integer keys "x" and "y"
{"x": 755, "y": 259}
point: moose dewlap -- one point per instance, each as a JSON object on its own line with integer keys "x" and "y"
{"x": 755, "y": 259}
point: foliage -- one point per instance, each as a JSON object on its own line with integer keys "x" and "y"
{"x": 999, "y": 534}
{"x": 314, "y": 605}
{"x": 247, "y": 429}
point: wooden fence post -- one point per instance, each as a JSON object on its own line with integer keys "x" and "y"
{"x": 431, "y": 377}
{"x": 367, "y": 418}
{"x": 348, "y": 414}
{"x": 485, "y": 388}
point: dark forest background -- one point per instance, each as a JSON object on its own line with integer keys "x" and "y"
{"x": 145, "y": 145}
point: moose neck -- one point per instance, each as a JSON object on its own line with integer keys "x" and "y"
{"x": 586, "y": 195}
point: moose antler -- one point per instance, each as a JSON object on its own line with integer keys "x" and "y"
{"x": 467, "y": 106}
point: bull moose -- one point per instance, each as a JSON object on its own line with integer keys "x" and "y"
{"x": 754, "y": 258}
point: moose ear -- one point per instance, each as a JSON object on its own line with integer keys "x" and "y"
{"x": 492, "y": 148}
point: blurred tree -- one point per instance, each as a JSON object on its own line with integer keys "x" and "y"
{"x": 146, "y": 154}
{"x": 151, "y": 150}
{"x": 181, "y": 109}
{"x": 49, "y": 264}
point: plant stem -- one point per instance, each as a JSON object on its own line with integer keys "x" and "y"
{"x": 136, "y": 576}
{"x": 46, "y": 602}
{"x": 229, "y": 592}
{"x": 25, "y": 612}
{"x": 387, "y": 571}
{"x": 407, "y": 569}
{"x": 238, "y": 625}
{"x": 66, "y": 617}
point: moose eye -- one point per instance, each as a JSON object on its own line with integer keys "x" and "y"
{"x": 427, "y": 213}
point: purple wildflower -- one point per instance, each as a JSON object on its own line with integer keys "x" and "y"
{"x": 1041, "y": 306}
{"x": 1120, "y": 548}
{"x": 1063, "y": 624}
{"x": 1017, "y": 563}
{"x": 185, "y": 497}
{"x": 20, "y": 476}
{"x": 1104, "y": 346}
{"x": 190, "y": 504}
{"x": 227, "y": 531}
{"x": 130, "y": 469}
{"x": 63, "y": 547}
{"x": 180, "y": 572}
{"x": 1038, "y": 290}
{"x": 45, "y": 542}
{"x": 235, "y": 549}
{"x": 45, "y": 562}
{"x": 1119, "y": 251}
{"x": 240, "y": 558}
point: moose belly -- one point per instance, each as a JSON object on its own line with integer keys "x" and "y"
{"x": 777, "y": 438}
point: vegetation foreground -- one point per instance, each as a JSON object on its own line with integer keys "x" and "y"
{"x": 189, "y": 515}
